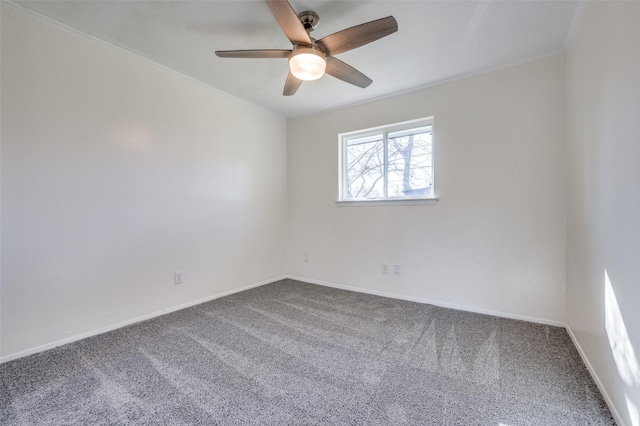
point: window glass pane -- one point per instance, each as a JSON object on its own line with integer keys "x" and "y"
{"x": 394, "y": 161}
{"x": 365, "y": 167}
{"x": 410, "y": 166}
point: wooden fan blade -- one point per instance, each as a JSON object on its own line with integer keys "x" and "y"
{"x": 345, "y": 72}
{"x": 260, "y": 53}
{"x": 291, "y": 85}
{"x": 358, "y": 36}
{"x": 289, "y": 22}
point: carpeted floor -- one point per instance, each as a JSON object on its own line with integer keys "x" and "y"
{"x": 293, "y": 353}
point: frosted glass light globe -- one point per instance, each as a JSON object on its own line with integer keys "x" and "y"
{"x": 307, "y": 63}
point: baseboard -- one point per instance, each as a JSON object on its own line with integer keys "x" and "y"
{"x": 614, "y": 412}
{"x": 432, "y": 302}
{"x": 106, "y": 329}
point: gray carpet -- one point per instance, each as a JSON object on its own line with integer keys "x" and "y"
{"x": 295, "y": 353}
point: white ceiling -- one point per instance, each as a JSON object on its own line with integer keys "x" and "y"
{"x": 436, "y": 41}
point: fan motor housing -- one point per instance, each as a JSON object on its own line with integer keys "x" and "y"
{"x": 309, "y": 20}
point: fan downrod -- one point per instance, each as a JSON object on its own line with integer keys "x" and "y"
{"x": 309, "y": 20}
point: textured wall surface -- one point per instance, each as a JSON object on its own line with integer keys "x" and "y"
{"x": 116, "y": 173}
{"x": 603, "y": 140}
{"x": 495, "y": 241}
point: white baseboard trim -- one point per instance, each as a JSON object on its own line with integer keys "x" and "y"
{"x": 432, "y": 302}
{"x": 614, "y": 412}
{"x": 121, "y": 324}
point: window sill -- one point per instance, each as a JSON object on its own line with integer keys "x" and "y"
{"x": 389, "y": 202}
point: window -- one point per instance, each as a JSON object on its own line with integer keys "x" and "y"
{"x": 393, "y": 162}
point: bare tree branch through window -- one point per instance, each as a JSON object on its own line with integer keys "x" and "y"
{"x": 397, "y": 163}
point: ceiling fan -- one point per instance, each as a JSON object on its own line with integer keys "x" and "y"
{"x": 309, "y": 58}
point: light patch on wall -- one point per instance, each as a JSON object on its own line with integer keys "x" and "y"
{"x": 623, "y": 353}
{"x": 133, "y": 138}
{"x": 634, "y": 415}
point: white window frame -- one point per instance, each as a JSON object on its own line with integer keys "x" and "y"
{"x": 343, "y": 139}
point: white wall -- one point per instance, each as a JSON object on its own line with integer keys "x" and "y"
{"x": 496, "y": 239}
{"x": 116, "y": 173}
{"x": 603, "y": 139}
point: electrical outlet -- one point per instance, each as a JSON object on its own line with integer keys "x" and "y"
{"x": 385, "y": 268}
{"x": 306, "y": 257}
{"x": 177, "y": 277}
{"x": 396, "y": 269}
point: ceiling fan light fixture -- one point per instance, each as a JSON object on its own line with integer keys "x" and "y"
{"x": 309, "y": 60}
{"x": 307, "y": 63}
